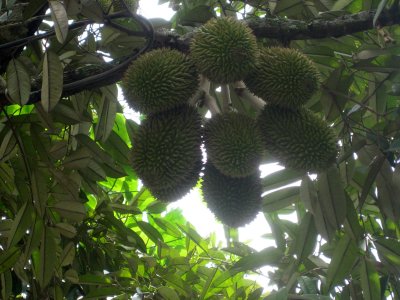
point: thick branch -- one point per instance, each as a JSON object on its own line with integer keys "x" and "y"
{"x": 287, "y": 29}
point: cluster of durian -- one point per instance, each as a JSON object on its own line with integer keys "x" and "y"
{"x": 166, "y": 151}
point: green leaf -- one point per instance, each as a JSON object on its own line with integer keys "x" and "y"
{"x": 66, "y": 229}
{"x": 60, "y": 19}
{"x": 72, "y": 276}
{"x": 102, "y": 292}
{"x": 94, "y": 279}
{"x": 117, "y": 148}
{"x": 46, "y": 266}
{"x": 332, "y": 197}
{"x": 68, "y": 255}
{"x": 167, "y": 293}
{"x": 6, "y": 285}
{"x": 280, "y": 199}
{"x": 305, "y": 239}
{"x": 8, "y": 144}
{"x": 18, "y": 82}
{"x": 8, "y": 258}
{"x": 280, "y": 178}
{"x": 150, "y": 231}
{"x": 79, "y": 159}
{"x": 74, "y": 211}
{"x": 39, "y": 190}
{"x": 52, "y": 81}
{"x": 33, "y": 240}
{"x": 370, "y": 283}
{"x": 207, "y": 284}
{"x": 268, "y": 256}
{"x": 389, "y": 249}
{"x": 22, "y": 222}
{"x": 107, "y": 112}
{"x": 344, "y": 257}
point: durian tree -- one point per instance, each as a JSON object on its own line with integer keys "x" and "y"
{"x": 223, "y": 88}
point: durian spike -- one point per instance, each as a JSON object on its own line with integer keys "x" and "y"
{"x": 226, "y": 98}
{"x": 243, "y": 92}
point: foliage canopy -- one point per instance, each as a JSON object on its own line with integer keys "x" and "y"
{"x": 74, "y": 220}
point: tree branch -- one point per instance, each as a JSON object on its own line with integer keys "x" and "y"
{"x": 276, "y": 28}
{"x": 287, "y": 29}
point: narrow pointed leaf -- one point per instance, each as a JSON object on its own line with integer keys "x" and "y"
{"x": 18, "y": 82}
{"x": 370, "y": 283}
{"x": 68, "y": 254}
{"x": 343, "y": 260}
{"x": 150, "y": 231}
{"x": 22, "y": 222}
{"x": 107, "y": 113}
{"x": 280, "y": 199}
{"x": 71, "y": 210}
{"x": 47, "y": 250}
{"x": 60, "y": 19}
{"x": 306, "y": 236}
{"x": 168, "y": 293}
{"x": 332, "y": 197}
{"x": 389, "y": 249}
{"x": 8, "y": 258}
{"x": 52, "y": 81}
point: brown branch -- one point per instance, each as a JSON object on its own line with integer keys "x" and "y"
{"x": 277, "y": 28}
{"x": 287, "y": 29}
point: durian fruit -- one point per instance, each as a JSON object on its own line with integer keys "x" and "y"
{"x": 298, "y": 138}
{"x": 159, "y": 80}
{"x": 166, "y": 148}
{"x": 283, "y": 77}
{"x": 234, "y": 144}
{"x": 180, "y": 189}
{"x": 234, "y": 201}
{"x": 224, "y": 50}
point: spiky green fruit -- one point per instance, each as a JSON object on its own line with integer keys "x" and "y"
{"x": 298, "y": 138}
{"x": 283, "y": 77}
{"x": 234, "y": 201}
{"x": 180, "y": 189}
{"x": 233, "y": 143}
{"x": 224, "y": 50}
{"x": 159, "y": 80}
{"x": 166, "y": 147}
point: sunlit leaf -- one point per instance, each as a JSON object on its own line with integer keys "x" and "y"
{"x": 369, "y": 280}
{"x": 168, "y": 293}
